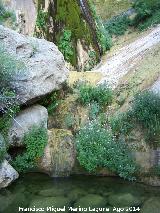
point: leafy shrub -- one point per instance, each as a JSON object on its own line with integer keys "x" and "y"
{"x": 94, "y": 110}
{"x": 35, "y": 141}
{"x": 97, "y": 147}
{"x": 122, "y": 123}
{"x": 146, "y": 110}
{"x": 41, "y": 19}
{"x": 117, "y": 25}
{"x": 147, "y": 11}
{"x": 65, "y": 45}
{"x": 104, "y": 38}
{"x": 100, "y": 94}
{"x": 151, "y": 21}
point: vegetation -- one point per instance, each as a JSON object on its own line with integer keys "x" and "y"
{"x": 35, "y": 141}
{"x": 146, "y": 110}
{"x": 97, "y": 147}
{"x": 100, "y": 94}
{"x": 65, "y": 45}
{"x": 104, "y": 38}
{"x": 117, "y": 25}
{"x": 41, "y": 19}
{"x": 9, "y": 67}
{"x": 147, "y": 13}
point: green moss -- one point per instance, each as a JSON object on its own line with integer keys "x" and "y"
{"x": 65, "y": 15}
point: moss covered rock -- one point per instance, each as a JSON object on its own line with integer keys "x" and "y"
{"x": 56, "y": 18}
{"x": 124, "y": 200}
{"x": 92, "y": 201}
{"x": 59, "y": 154}
{"x": 151, "y": 205}
{"x": 56, "y": 202}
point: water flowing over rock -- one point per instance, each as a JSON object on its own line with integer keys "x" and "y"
{"x": 59, "y": 154}
{"x": 7, "y": 174}
{"x": 33, "y": 116}
{"x": 43, "y": 66}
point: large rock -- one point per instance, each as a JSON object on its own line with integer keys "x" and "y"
{"x": 46, "y": 202}
{"x": 59, "y": 154}
{"x": 124, "y": 200}
{"x": 7, "y": 174}
{"x": 44, "y": 64}
{"x": 151, "y": 205}
{"x": 92, "y": 201}
{"x": 33, "y": 116}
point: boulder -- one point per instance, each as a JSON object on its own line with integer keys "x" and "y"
{"x": 36, "y": 115}
{"x": 59, "y": 154}
{"x": 124, "y": 200}
{"x": 151, "y": 205}
{"x": 92, "y": 201}
{"x": 46, "y": 202}
{"x": 7, "y": 174}
{"x": 43, "y": 69}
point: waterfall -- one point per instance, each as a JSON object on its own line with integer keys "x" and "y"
{"x": 88, "y": 16}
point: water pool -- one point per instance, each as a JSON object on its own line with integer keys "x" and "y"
{"x": 79, "y": 193}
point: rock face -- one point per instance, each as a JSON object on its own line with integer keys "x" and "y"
{"x": 33, "y": 116}
{"x": 25, "y": 12}
{"x": 59, "y": 154}
{"x": 43, "y": 65}
{"x": 7, "y": 174}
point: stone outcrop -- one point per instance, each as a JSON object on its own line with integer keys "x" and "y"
{"x": 26, "y": 14}
{"x": 59, "y": 154}
{"x": 33, "y": 116}
{"x": 7, "y": 174}
{"x": 43, "y": 66}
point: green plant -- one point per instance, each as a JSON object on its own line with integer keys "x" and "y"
{"x": 146, "y": 110}
{"x": 35, "y": 141}
{"x": 94, "y": 110}
{"x": 122, "y": 123}
{"x": 101, "y": 94}
{"x": 147, "y": 13}
{"x": 65, "y": 45}
{"x": 97, "y": 147}
{"x": 117, "y": 25}
{"x": 151, "y": 21}
{"x": 103, "y": 36}
{"x": 70, "y": 120}
{"x": 41, "y": 19}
